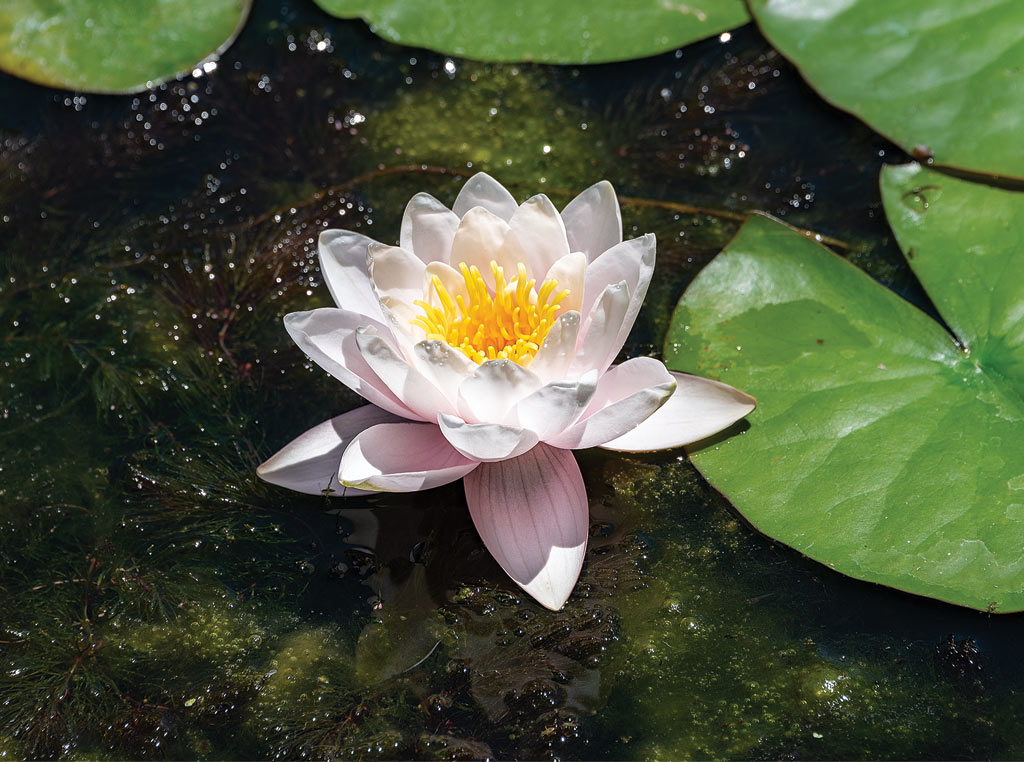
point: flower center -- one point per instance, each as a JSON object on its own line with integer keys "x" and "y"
{"x": 508, "y": 324}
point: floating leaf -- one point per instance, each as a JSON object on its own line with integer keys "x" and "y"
{"x": 113, "y": 47}
{"x": 881, "y": 446}
{"x": 571, "y": 31}
{"x": 943, "y": 77}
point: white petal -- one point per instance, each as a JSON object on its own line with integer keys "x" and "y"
{"x": 397, "y": 275}
{"x": 539, "y": 228}
{"x": 627, "y": 395}
{"x": 444, "y": 366}
{"x": 631, "y": 261}
{"x": 309, "y": 463}
{"x": 495, "y": 387}
{"x": 428, "y": 227}
{"x": 486, "y": 441}
{"x": 450, "y": 278}
{"x": 402, "y": 457}
{"x": 598, "y": 342}
{"x": 343, "y": 264}
{"x": 479, "y": 240}
{"x": 407, "y": 383}
{"x": 483, "y": 190}
{"x": 327, "y": 335}
{"x": 510, "y": 255}
{"x": 593, "y": 222}
{"x": 570, "y": 273}
{"x": 559, "y": 348}
{"x": 699, "y": 408}
{"x": 533, "y": 516}
{"x": 553, "y": 408}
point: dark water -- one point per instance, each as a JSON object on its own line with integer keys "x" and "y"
{"x": 158, "y": 601}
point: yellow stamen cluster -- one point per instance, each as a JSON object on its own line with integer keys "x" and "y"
{"x": 508, "y": 324}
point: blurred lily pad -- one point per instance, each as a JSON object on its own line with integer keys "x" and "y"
{"x": 113, "y": 47}
{"x": 882, "y": 446}
{"x": 942, "y": 78}
{"x": 571, "y": 31}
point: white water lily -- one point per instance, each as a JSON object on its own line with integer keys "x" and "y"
{"x": 484, "y": 343}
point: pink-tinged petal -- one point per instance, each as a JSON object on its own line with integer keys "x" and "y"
{"x": 626, "y": 395}
{"x": 328, "y": 336}
{"x": 593, "y": 222}
{"x": 539, "y": 228}
{"x": 309, "y": 463}
{"x": 397, "y": 274}
{"x": 444, "y": 366}
{"x": 428, "y": 227}
{"x": 343, "y": 264}
{"x": 486, "y": 441}
{"x": 553, "y": 408}
{"x": 495, "y": 387}
{"x": 551, "y": 363}
{"x": 598, "y": 341}
{"x": 699, "y": 408}
{"x": 407, "y": 383}
{"x": 402, "y": 457}
{"x": 570, "y": 273}
{"x": 483, "y": 190}
{"x": 631, "y": 261}
{"x": 533, "y": 516}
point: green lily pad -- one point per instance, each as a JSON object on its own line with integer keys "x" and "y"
{"x": 569, "y": 31}
{"x": 101, "y": 46}
{"x": 942, "y": 77}
{"x": 882, "y": 446}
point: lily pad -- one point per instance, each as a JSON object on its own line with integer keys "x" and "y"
{"x": 942, "y": 78}
{"x": 570, "y": 31}
{"x": 113, "y": 47}
{"x": 882, "y": 446}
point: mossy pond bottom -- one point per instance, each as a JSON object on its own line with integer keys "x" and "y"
{"x": 158, "y": 601}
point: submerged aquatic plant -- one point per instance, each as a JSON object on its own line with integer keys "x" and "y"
{"x": 475, "y": 371}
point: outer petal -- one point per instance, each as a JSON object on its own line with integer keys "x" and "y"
{"x": 343, "y": 263}
{"x": 598, "y": 341}
{"x": 402, "y": 457}
{"x": 699, "y": 408}
{"x": 494, "y": 389}
{"x": 627, "y": 395}
{"x": 593, "y": 222}
{"x": 553, "y": 408}
{"x": 486, "y": 441}
{"x": 328, "y": 336}
{"x": 408, "y": 384}
{"x": 532, "y": 514}
{"x": 483, "y": 190}
{"x": 309, "y": 463}
{"x": 631, "y": 261}
{"x": 539, "y": 228}
{"x": 428, "y": 227}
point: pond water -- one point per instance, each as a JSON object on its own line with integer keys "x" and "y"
{"x": 158, "y": 601}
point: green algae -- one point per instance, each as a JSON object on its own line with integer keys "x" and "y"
{"x": 736, "y": 664}
{"x": 515, "y": 122}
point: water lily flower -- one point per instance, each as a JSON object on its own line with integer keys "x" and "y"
{"x": 484, "y": 344}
